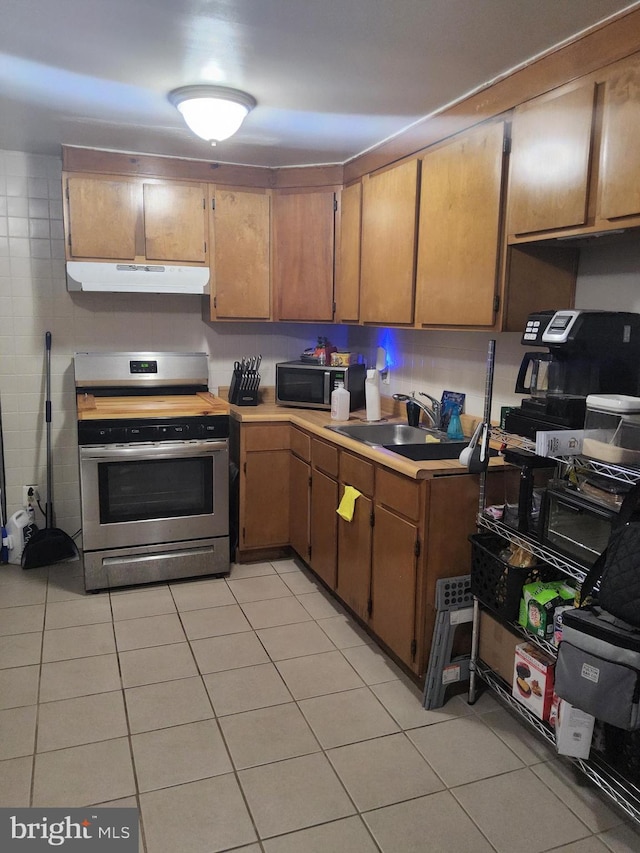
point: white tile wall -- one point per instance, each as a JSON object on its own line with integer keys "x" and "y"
{"x": 432, "y": 361}
{"x": 34, "y": 298}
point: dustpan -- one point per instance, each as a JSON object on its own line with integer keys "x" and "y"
{"x": 50, "y": 545}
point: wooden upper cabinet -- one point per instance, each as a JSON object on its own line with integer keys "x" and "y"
{"x": 619, "y": 178}
{"x": 348, "y": 266}
{"x": 175, "y": 222}
{"x": 102, "y": 217}
{"x": 389, "y": 224}
{"x": 303, "y": 254}
{"x": 550, "y": 160}
{"x": 239, "y": 241}
{"x": 459, "y": 231}
{"x": 127, "y": 219}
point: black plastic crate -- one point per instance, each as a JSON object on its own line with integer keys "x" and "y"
{"x": 497, "y": 584}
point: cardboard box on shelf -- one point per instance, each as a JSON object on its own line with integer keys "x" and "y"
{"x": 497, "y": 645}
{"x": 532, "y": 684}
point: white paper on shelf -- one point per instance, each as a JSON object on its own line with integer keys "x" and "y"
{"x": 559, "y": 442}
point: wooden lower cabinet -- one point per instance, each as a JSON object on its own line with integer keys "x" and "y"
{"x": 323, "y": 518}
{"x": 264, "y": 471}
{"x": 355, "y": 537}
{"x": 265, "y": 500}
{"x": 394, "y": 573}
{"x": 398, "y": 565}
{"x": 299, "y": 506}
{"x": 324, "y": 527}
{"x": 384, "y": 564}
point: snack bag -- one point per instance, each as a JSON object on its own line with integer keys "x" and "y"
{"x": 538, "y": 603}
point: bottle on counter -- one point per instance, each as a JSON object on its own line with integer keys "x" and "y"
{"x": 454, "y": 430}
{"x": 372, "y": 396}
{"x": 340, "y": 402}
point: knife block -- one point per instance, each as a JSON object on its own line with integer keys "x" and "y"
{"x": 243, "y": 390}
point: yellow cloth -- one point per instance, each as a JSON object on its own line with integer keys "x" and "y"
{"x": 348, "y": 503}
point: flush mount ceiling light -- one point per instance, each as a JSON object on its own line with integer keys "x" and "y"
{"x": 212, "y": 112}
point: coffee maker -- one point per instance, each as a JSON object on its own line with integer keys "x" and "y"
{"x": 589, "y": 352}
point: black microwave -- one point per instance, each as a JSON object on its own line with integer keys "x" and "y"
{"x": 309, "y": 386}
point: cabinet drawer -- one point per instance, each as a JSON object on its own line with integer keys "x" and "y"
{"x": 398, "y": 493}
{"x": 356, "y": 472}
{"x": 325, "y": 457}
{"x": 266, "y": 437}
{"x": 300, "y": 443}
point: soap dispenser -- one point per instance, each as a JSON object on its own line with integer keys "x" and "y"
{"x": 454, "y": 430}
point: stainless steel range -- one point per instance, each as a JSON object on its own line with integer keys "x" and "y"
{"x": 154, "y": 468}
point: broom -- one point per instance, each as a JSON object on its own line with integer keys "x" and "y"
{"x": 50, "y": 545}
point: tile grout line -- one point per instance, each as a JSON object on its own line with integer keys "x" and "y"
{"x": 134, "y": 769}
{"x": 37, "y": 713}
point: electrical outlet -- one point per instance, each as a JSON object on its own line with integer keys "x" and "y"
{"x": 30, "y": 495}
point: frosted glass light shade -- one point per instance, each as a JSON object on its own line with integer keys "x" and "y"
{"x": 213, "y": 113}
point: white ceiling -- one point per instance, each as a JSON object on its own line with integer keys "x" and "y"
{"x": 332, "y": 77}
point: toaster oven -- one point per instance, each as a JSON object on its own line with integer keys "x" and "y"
{"x": 576, "y": 525}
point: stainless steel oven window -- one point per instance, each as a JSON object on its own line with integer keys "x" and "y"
{"x": 154, "y": 488}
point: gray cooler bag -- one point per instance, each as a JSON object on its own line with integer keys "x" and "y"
{"x": 598, "y": 667}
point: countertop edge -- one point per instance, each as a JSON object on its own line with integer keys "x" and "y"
{"x": 316, "y": 421}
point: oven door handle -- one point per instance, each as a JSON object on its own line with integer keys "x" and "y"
{"x": 165, "y": 449}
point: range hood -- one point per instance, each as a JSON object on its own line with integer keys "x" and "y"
{"x": 135, "y": 278}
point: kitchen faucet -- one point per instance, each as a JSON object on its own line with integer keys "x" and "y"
{"x": 433, "y": 413}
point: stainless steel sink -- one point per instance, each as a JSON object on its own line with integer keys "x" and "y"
{"x": 410, "y": 442}
{"x": 390, "y": 434}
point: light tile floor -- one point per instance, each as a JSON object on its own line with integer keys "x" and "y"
{"x": 251, "y": 714}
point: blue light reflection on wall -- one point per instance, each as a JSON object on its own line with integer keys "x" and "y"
{"x": 387, "y": 338}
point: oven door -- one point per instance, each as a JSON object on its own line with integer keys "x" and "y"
{"x": 145, "y": 494}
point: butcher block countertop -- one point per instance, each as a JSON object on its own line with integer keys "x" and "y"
{"x": 315, "y": 421}
{"x": 201, "y": 404}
